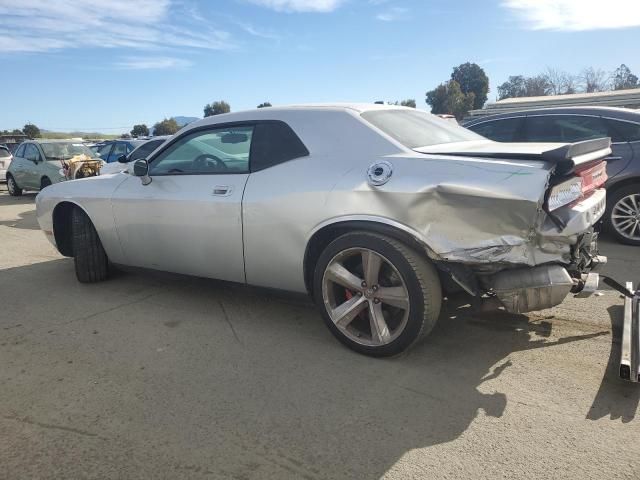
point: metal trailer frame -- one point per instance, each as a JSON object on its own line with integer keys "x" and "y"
{"x": 630, "y": 349}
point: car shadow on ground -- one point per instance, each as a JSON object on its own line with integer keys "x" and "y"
{"x": 616, "y": 398}
{"x": 253, "y": 375}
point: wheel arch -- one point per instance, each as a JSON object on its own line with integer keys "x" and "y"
{"x": 622, "y": 184}
{"x": 328, "y": 231}
{"x": 62, "y": 230}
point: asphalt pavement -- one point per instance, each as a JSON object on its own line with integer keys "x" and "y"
{"x": 154, "y": 375}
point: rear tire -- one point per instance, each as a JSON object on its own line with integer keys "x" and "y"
{"x": 12, "y": 186}
{"x": 389, "y": 313}
{"x": 624, "y": 204}
{"x": 90, "y": 259}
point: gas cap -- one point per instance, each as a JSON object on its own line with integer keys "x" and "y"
{"x": 379, "y": 173}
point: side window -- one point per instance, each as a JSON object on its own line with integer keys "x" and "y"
{"x": 274, "y": 143}
{"x": 623, "y": 131}
{"x": 144, "y": 150}
{"x": 213, "y": 151}
{"x": 20, "y": 151}
{"x": 565, "y": 128}
{"x": 119, "y": 148}
{"x": 31, "y": 153}
{"x": 506, "y": 130}
{"x": 104, "y": 151}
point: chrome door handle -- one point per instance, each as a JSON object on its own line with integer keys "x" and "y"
{"x": 222, "y": 190}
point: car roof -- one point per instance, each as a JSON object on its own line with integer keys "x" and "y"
{"x": 612, "y": 112}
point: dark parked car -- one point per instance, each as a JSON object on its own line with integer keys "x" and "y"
{"x": 111, "y": 151}
{"x": 574, "y": 124}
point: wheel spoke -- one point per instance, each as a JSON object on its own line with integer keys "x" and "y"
{"x": 337, "y": 273}
{"x": 395, "y": 296}
{"x": 344, "y": 313}
{"x": 379, "y": 329}
{"x": 371, "y": 263}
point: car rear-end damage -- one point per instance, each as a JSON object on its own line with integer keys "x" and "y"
{"x": 542, "y": 244}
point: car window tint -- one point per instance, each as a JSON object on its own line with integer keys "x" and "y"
{"x": 20, "y": 151}
{"x": 565, "y": 128}
{"x": 31, "y": 152}
{"x": 274, "y": 143}
{"x": 144, "y": 150}
{"x": 119, "y": 149}
{"x": 623, "y": 131}
{"x": 221, "y": 150}
{"x": 503, "y": 130}
{"x": 4, "y": 153}
{"x": 104, "y": 151}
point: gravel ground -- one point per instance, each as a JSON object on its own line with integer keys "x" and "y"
{"x": 153, "y": 375}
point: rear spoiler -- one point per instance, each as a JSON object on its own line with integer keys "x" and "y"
{"x": 566, "y": 158}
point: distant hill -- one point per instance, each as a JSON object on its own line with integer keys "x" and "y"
{"x": 182, "y": 121}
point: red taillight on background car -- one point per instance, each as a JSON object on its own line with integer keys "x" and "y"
{"x": 585, "y": 181}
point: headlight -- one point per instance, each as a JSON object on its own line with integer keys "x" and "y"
{"x": 564, "y": 193}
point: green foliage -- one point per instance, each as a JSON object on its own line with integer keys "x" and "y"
{"x": 472, "y": 79}
{"x": 216, "y": 108}
{"x": 623, "y": 78}
{"x": 168, "y": 126}
{"x": 264, "y": 105}
{"x": 31, "y": 131}
{"x": 520, "y": 86}
{"x": 448, "y": 98}
{"x": 140, "y": 130}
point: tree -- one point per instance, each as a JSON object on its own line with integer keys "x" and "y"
{"x": 16, "y": 131}
{"x": 623, "y": 78}
{"x": 409, "y": 102}
{"x": 125, "y": 135}
{"x": 559, "y": 82}
{"x": 168, "y": 126}
{"x": 594, "y": 80}
{"x": 140, "y": 130}
{"x": 264, "y": 105}
{"x": 216, "y": 108}
{"x": 537, "y": 86}
{"x": 31, "y": 131}
{"x": 513, "y": 87}
{"x": 472, "y": 79}
{"x": 449, "y": 98}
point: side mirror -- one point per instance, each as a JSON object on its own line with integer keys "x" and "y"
{"x": 122, "y": 159}
{"x": 140, "y": 168}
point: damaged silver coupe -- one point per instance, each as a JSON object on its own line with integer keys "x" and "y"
{"x": 377, "y": 211}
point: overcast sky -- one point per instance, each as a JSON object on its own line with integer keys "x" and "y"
{"x": 104, "y": 65}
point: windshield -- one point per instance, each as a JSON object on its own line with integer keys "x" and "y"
{"x": 414, "y": 128}
{"x": 4, "y": 153}
{"x": 64, "y": 150}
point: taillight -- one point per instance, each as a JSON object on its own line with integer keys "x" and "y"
{"x": 593, "y": 177}
{"x": 569, "y": 191}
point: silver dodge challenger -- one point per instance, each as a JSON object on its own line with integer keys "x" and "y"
{"x": 378, "y": 212}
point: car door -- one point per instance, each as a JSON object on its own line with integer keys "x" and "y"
{"x": 32, "y": 167}
{"x": 624, "y": 135}
{"x": 189, "y": 219}
{"x": 18, "y": 165}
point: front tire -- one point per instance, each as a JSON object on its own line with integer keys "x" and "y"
{"x": 623, "y": 214}
{"x": 90, "y": 259}
{"x": 377, "y": 295}
{"x": 45, "y": 182}
{"x": 12, "y": 186}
